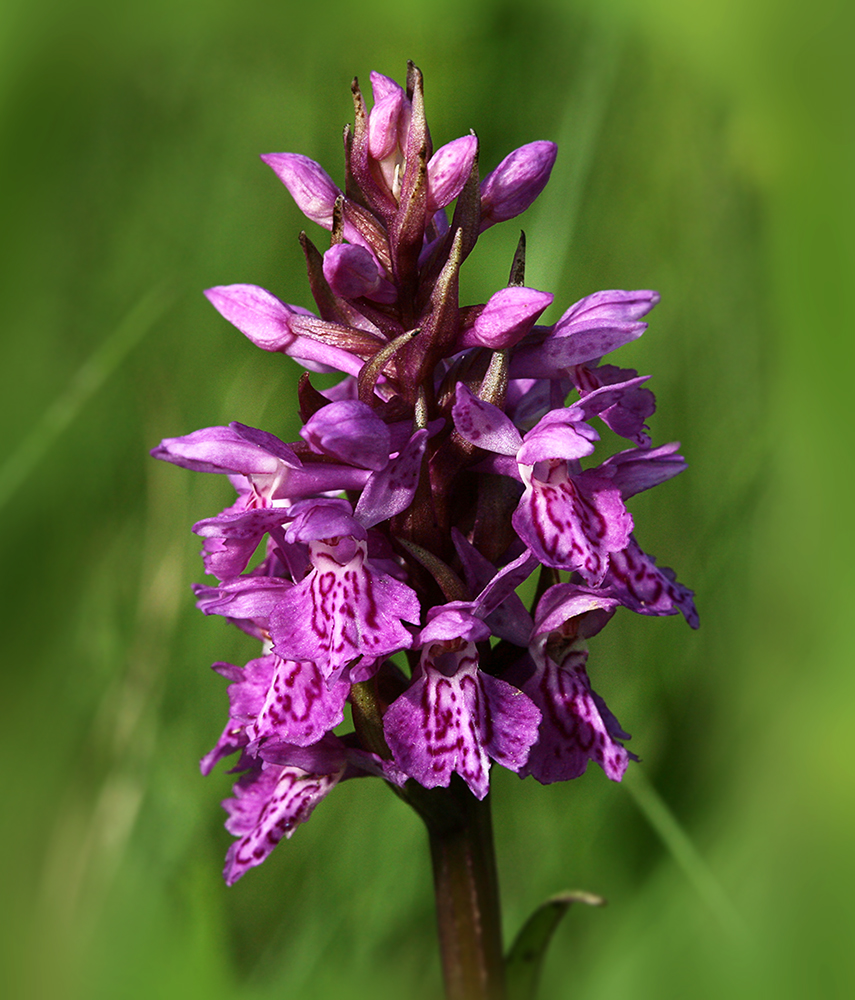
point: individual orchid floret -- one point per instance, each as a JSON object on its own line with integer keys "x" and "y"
{"x": 577, "y": 726}
{"x": 516, "y": 182}
{"x": 308, "y": 183}
{"x": 572, "y": 522}
{"x": 343, "y": 610}
{"x": 273, "y": 325}
{"x": 454, "y": 717}
{"x": 569, "y": 519}
{"x": 271, "y": 467}
{"x": 282, "y": 786}
{"x": 506, "y": 318}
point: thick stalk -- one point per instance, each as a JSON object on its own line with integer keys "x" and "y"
{"x": 467, "y": 895}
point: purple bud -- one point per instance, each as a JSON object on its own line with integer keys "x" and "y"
{"x": 384, "y": 87}
{"x": 448, "y": 170}
{"x": 228, "y": 449}
{"x": 516, "y": 182}
{"x": 266, "y": 321}
{"x": 257, "y": 313}
{"x": 309, "y": 184}
{"x": 506, "y": 318}
{"x": 351, "y": 432}
{"x": 352, "y": 272}
{"x": 389, "y": 119}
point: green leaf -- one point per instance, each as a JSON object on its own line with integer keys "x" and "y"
{"x": 525, "y": 957}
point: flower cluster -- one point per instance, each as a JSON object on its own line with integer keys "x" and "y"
{"x": 431, "y": 481}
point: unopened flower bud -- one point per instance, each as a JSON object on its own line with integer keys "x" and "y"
{"x": 516, "y": 182}
{"x": 260, "y": 316}
{"x": 389, "y": 119}
{"x": 506, "y": 318}
{"x": 388, "y": 125}
{"x": 350, "y": 431}
{"x": 352, "y": 272}
{"x": 309, "y": 184}
{"x": 448, "y": 169}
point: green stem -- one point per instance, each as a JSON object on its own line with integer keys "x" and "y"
{"x": 466, "y": 883}
{"x": 467, "y": 893}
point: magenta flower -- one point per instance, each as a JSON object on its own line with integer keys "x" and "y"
{"x": 344, "y": 612}
{"x": 376, "y": 558}
{"x": 454, "y": 716}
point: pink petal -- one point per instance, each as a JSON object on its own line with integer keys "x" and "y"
{"x": 267, "y": 806}
{"x": 299, "y": 707}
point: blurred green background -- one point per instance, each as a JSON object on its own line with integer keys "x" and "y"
{"x": 706, "y": 151}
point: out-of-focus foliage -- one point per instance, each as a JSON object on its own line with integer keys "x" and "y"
{"x": 705, "y": 154}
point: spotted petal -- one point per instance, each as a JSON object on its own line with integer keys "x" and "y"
{"x": 391, "y": 490}
{"x": 483, "y": 424}
{"x": 576, "y": 726}
{"x": 300, "y": 707}
{"x": 268, "y": 803}
{"x": 572, "y": 522}
{"x": 454, "y": 718}
{"x": 343, "y": 610}
{"x": 644, "y": 587}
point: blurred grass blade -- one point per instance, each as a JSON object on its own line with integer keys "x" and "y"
{"x": 684, "y": 853}
{"x": 525, "y": 957}
{"x": 86, "y": 382}
{"x": 557, "y": 209}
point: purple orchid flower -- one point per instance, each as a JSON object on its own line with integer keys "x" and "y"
{"x": 454, "y": 716}
{"x": 377, "y": 558}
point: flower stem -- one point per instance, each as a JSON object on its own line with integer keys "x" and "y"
{"x": 467, "y": 893}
